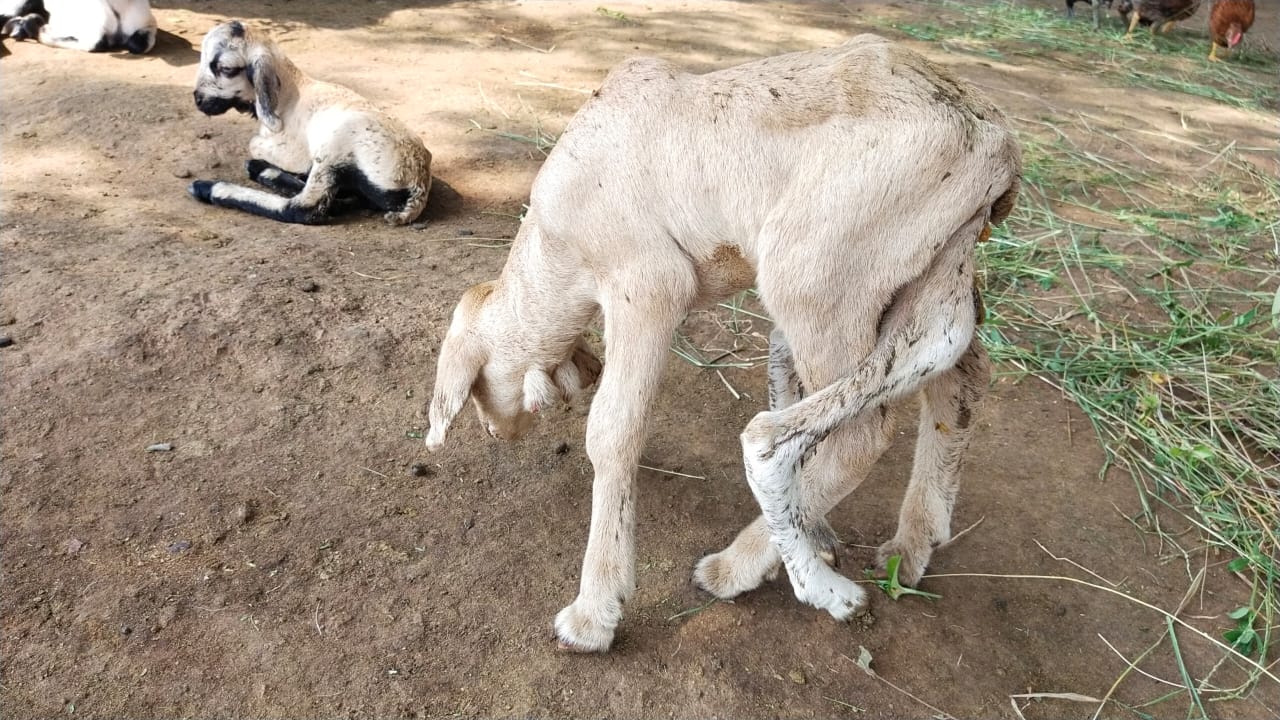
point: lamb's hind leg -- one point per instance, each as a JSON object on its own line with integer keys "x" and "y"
{"x": 947, "y": 404}
{"x": 926, "y": 330}
{"x": 840, "y": 465}
{"x": 751, "y": 559}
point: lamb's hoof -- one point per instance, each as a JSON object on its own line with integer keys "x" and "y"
{"x": 254, "y": 167}
{"x": 913, "y": 562}
{"x": 834, "y": 593}
{"x": 202, "y": 190}
{"x": 580, "y": 632}
{"x": 722, "y": 574}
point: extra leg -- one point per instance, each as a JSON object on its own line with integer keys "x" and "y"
{"x": 637, "y": 333}
{"x": 923, "y": 333}
{"x": 947, "y": 404}
{"x": 840, "y": 465}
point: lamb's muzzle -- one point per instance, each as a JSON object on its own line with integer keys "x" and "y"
{"x": 849, "y": 185}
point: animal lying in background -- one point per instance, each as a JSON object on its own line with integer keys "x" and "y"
{"x": 1159, "y": 14}
{"x": 1229, "y": 20}
{"x": 320, "y": 145}
{"x": 1096, "y": 6}
{"x": 91, "y": 25}
{"x": 849, "y": 185}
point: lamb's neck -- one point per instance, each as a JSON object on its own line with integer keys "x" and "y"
{"x": 548, "y": 297}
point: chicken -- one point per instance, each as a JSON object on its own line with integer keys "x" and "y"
{"x": 1159, "y": 14}
{"x": 1097, "y": 9}
{"x": 1229, "y": 20}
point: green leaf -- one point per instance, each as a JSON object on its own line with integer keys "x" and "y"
{"x": 1239, "y": 613}
{"x": 1238, "y": 565}
{"x": 894, "y": 587}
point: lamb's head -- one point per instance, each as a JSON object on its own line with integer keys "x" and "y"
{"x": 237, "y": 72}
{"x": 481, "y": 360}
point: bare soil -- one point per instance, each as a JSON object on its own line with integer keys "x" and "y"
{"x": 284, "y": 560}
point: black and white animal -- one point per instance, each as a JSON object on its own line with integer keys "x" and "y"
{"x": 320, "y": 145}
{"x": 90, "y": 25}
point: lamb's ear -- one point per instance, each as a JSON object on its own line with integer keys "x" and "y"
{"x": 540, "y": 390}
{"x": 460, "y": 362}
{"x": 266, "y": 88}
{"x": 578, "y": 371}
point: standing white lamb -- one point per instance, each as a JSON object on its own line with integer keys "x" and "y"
{"x": 849, "y": 185}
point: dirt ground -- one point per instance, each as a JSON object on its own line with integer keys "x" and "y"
{"x": 283, "y": 560}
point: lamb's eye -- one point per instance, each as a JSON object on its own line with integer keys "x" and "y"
{"x": 228, "y": 71}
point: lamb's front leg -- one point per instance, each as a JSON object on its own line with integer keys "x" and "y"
{"x": 636, "y": 339}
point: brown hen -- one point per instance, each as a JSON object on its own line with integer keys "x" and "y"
{"x": 1229, "y": 20}
{"x": 1161, "y": 14}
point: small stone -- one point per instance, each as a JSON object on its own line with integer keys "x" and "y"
{"x": 797, "y": 677}
{"x": 179, "y": 546}
{"x": 74, "y": 546}
{"x": 562, "y": 448}
{"x": 469, "y": 523}
{"x": 308, "y": 286}
{"x": 166, "y": 616}
{"x": 5, "y": 341}
{"x": 160, "y": 447}
{"x": 242, "y": 513}
{"x": 182, "y": 173}
{"x": 125, "y": 630}
{"x": 466, "y": 232}
{"x": 421, "y": 470}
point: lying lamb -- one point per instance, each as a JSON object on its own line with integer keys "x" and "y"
{"x": 90, "y": 25}
{"x": 319, "y": 144}
{"x": 849, "y": 185}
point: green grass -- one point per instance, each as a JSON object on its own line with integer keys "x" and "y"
{"x": 1157, "y": 321}
{"x": 1176, "y": 62}
{"x": 1150, "y": 298}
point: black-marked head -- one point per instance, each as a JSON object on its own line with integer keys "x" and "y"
{"x": 237, "y": 72}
